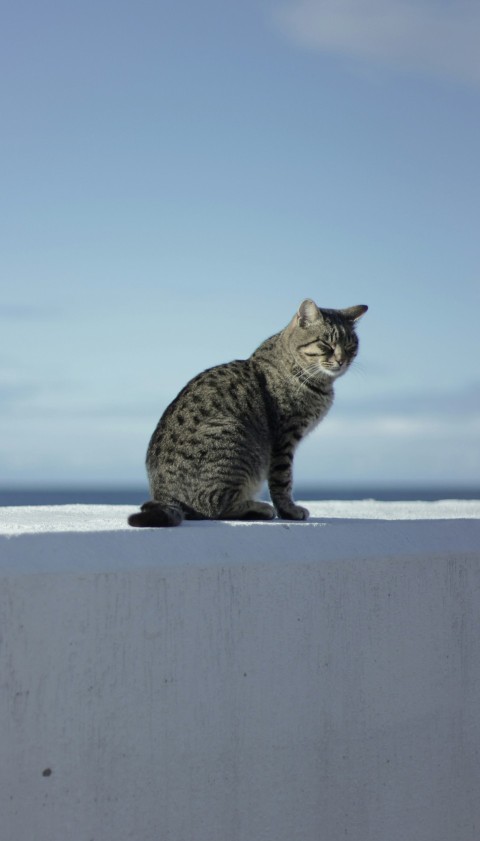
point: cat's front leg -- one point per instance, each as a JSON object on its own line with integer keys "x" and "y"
{"x": 280, "y": 486}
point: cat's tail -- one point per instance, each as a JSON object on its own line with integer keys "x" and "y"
{"x": 155, "y": 514}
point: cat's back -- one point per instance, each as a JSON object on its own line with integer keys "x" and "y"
{"x": 227, "y": 393}
{"x": 215, "y": 391}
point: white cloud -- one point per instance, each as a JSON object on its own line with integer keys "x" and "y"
{"x": 402, "y": 427}
{"x": 440, "y": 37}
{"x": 392, "y": 447}
{"x": 409, "y": 438}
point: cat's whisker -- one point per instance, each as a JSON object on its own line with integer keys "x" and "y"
{"x": 306, "y": 374}
{"x": 357, "y": 368}
{"x": 310, "y": 373}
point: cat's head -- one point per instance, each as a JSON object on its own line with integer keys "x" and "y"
{"x": 324, "y": 340}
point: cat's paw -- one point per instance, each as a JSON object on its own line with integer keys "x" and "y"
{"x": 250, "y": 509}
{"x": 293, "y": 512}
{"x": 259, "y": 511}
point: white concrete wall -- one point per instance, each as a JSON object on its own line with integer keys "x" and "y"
{"x": 316, "y": 682}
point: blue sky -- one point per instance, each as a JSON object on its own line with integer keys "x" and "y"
{"x": 178, "y": 176}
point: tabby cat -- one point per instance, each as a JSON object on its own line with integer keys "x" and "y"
{"x": 235, "y": 425}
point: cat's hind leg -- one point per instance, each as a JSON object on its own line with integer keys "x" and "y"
{"x": 249, "y": 509}
{"x": 228, "y": 501}
{"x": 155, "y": 514}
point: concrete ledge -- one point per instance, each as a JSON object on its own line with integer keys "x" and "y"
{"x": 238, "y": 682}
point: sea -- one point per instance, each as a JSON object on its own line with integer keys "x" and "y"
{"x": 136, "y": 495}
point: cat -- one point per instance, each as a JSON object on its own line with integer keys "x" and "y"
{"x": 236, "y": 425}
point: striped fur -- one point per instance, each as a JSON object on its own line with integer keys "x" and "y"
{"x": 236, "y": 425}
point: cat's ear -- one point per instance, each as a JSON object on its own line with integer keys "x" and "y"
{"x": 354, "y": 313}
{"x": 308, "y": 313}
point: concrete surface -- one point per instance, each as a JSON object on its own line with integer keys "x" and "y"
{"x": 279, "y": 681}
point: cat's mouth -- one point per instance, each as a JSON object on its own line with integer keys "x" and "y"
{"x": 334, "y": 369}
